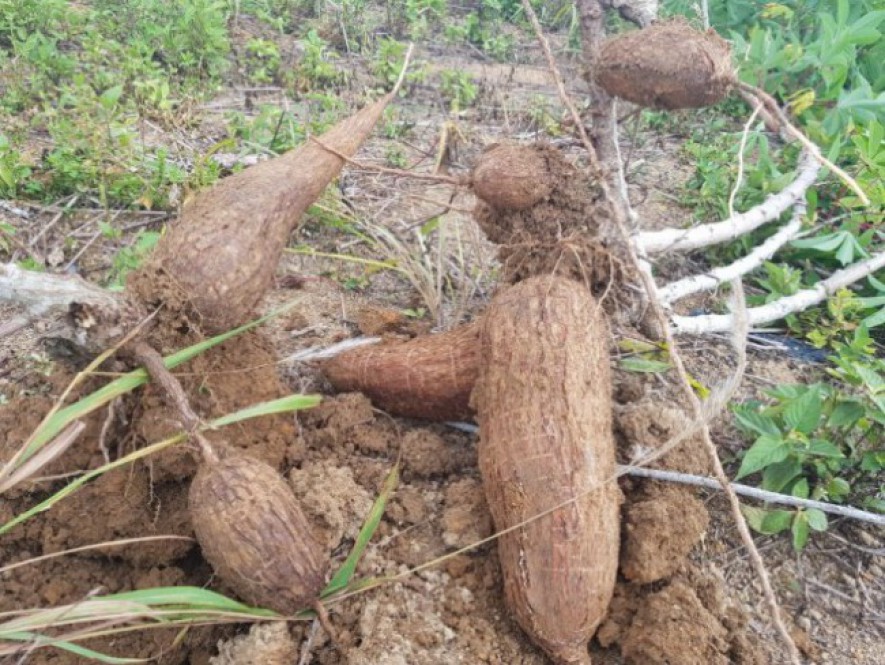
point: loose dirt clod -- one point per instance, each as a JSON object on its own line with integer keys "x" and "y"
{"x": 668, "y": 65}
{"x": 254, "y": 534}
{"x": 543, "y": 400}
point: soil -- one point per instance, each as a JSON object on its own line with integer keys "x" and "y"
{"x": 686, "y": 593}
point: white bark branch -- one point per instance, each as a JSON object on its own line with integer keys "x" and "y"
{"x": 774, "y": 311}
{"x": 754, "y": 493}
{"x": 41, "y": 292}
{"x": 652, "y": 242}
{"x": 673, "y": 291}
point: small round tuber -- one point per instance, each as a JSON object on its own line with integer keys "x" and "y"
{"x": 255, "y": 536}
{"x": 512, "y": 177}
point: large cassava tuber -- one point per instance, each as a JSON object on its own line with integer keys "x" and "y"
{"x": 428, "y": 377}
{"x": 668, "y": 65}
{"x": 222, "y": 254}
{"x": 543, "y": 400}
{"x": 255, "y": 536}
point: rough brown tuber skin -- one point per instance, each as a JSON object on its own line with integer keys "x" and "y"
{"x": 668, "y": 65}
{"x": 427, "y": 377}
{"x": 222, "y": 254}
{"x": 255, "y": 536}
{"x": 543, "y": 400}
{"x": 511, "y": 177}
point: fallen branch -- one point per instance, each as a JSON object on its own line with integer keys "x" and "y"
{"x": 774, "y": 311}
{"x": 753, "y": 493}
{"x": 655, "y": 242}
{"x": 712, "y": 279}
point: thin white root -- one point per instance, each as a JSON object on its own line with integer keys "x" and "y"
{"x": 672, "y": 292}
{"x": 774, "y": 311}
{"x": 655, "y": 242}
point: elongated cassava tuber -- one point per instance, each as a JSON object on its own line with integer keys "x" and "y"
{"x": 255, "y": 536}
{"x": 427, "y": 377}
{"x": 220, "y": 257}
{"x": 543, "y": 401}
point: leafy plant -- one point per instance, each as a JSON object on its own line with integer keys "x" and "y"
{"x": 458, "y": 89}
{"x": 262, "y": 60}
{"x": 822, "y": 441}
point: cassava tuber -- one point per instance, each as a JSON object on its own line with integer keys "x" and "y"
{"x": 255, "y": 536}
{"x": 543, "y": 401}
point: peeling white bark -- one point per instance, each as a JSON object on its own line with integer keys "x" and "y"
{"x": 655, "y": 242}
{"x": 774, "y": 311}
{"x": 41, "y": 292}
{"x": 672, "y": 292}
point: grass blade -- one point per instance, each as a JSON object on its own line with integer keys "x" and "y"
{"x": 288, "y": 403}
{"x": 39, "y": 640}
{"x": 126, "y": 384}
{"x": 345, "y": 574}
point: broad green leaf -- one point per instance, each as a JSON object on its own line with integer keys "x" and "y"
{"x": 824, "y": 449}
{"x": 817, "y": 519}
{"x": 111, "y": 96}
{"x": 776, "y": 477}
{"x": 800, "y": 489}
{"x": 845, "y": 414}
{"x": 800, "y": 531}
{"x": 803, "y": 414}
{"x": 754, "y": 516}
{"x": 756, "y": 422}
{"x": 767, "y": 450}
{"x": 776, "y": 521}
{"x": 838, "y": 488}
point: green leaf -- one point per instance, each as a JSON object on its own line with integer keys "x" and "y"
{"x": 639, "y": 364}
{"x": 800, "y": 489}
{"x": 126, "y": 383}
{"x": 803, "y": 414}
{"x": 76, "y": 649}
{"x": 776, "y": 477}
{"x": 767, "y": 450}
{"x": 817, "y": 519}
{"x": 755, "y": 422}
{"x": 824, "y": 449}
{"x": 776, "y": 521}
{"x": 754, "y": 516}
{"x": 345, "y": 574}
{"x": 111, "y": 96}
{"x": 838, "y": 488}
{"x": 846, "y": 414}
{"x": 800, "y": 531}
{"x": 274, "y": 406}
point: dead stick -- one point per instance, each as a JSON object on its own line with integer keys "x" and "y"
{"x": 771, "y": 105}
{"x": 695, "y": 404}
{"x": 156, "y": 368}
{"x": 383, "y": 169}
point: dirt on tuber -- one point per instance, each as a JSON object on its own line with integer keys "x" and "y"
{"x": 668, "y": 65}
{"x": 544, "y": 406}
{"x": 254, "y": 534}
